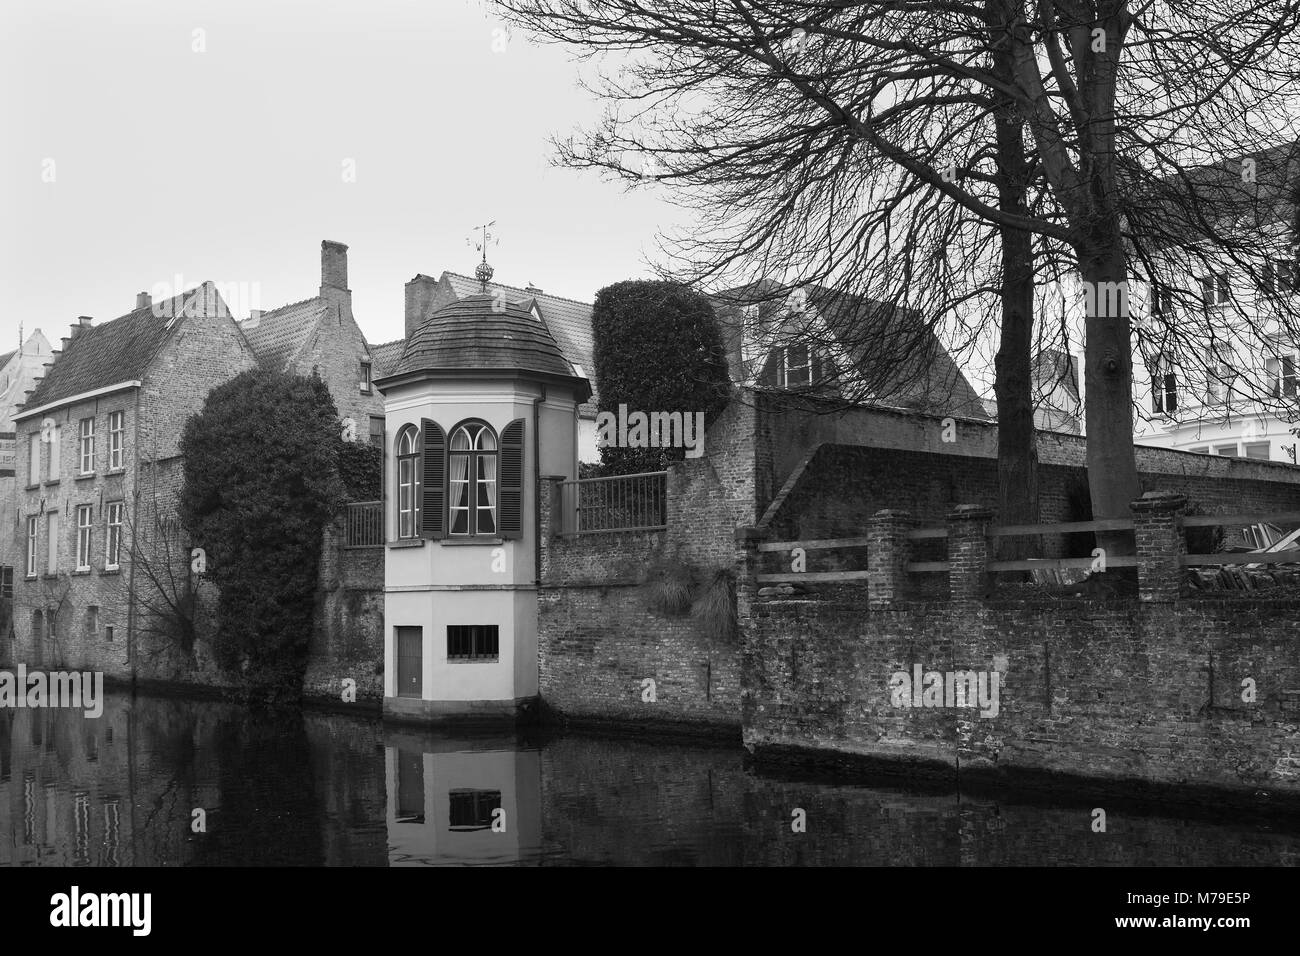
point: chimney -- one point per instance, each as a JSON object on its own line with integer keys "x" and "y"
{"x": 143, "y": 300}
{"x": 333, "y": 266}
{"x": 254, "y": 316}
{"x": 84, "y": 321}
{"x": 419, "y": 301}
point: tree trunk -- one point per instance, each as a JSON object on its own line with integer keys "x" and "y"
{"x": 1017, "y": 437}
{"x": 1108, "y": 390}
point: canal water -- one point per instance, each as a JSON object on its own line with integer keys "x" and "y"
{"x": 173, "y": 782}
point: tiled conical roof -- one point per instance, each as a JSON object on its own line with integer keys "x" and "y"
{"x": 483, "y": 332}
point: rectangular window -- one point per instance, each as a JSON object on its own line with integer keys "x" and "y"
{"x": 1281, "y": 277}
{"x": 1220, "y": 363}
{"x": 112, "y": 553}
{"x": 51, "y": 542}
{"x": 798, "y": 366}
{"x": 116, "y": 434}
{"x": 472, "y": 809}
{"x": 56, "y": 454}
{"x": 31, "y": 546}
{"x": 1164, "y": 386}
{"x": 84, "y": 518}
{"x": 34, "y": 458}
{"x": 86, "y": 446}
{"x": 406, "y": 497}
{"x": 1216, "y": 289}
{"x": 7, "y": 583}
{"x": 1203, "y": 450}
{"x": 108, "y": 634}
{"x": 1258, "y": 449}
{"x": 92, "y": 620}
{"x": 1227, "y": 451}
{"x": 472, "y": 642}
{"x": 377, "y": 430}
{"x": 1162, "y": 300}
{"x": 1281, "y": 372}
{"x": 365, "y": 378}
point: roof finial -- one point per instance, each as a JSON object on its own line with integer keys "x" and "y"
{"x": 484, "y": 271}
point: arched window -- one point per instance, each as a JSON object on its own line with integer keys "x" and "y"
{"x": 472, "y": 480}
{"x": 408, "y": 481}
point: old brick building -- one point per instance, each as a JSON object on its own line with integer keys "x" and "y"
{"x": 320, "y": 335}
{"x": 98, "y": 474}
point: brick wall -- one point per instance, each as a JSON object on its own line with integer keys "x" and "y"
{"x": 348, "y": 633}
{"x": 1118, "y": 690}
{"x": 599, "y": 639}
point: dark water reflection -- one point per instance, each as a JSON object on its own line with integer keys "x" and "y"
{"x": 324, "y": 789}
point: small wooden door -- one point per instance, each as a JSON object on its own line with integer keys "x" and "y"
{"x": 410, "y": 662}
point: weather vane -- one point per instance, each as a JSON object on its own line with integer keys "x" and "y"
{"x": 484, "y": 271}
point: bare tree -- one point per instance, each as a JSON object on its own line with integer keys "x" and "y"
{"x": 737, "y": 101}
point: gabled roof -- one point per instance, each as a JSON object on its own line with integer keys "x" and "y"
{"x": 384, "y": 358}
{"x": 568, "y": 320}
{"x": 278, "y": 335}
{"x": 887, "y": 346}
{"x": 98, "y": 356}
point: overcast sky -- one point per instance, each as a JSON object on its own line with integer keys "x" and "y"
{"x": 229, "y": 164}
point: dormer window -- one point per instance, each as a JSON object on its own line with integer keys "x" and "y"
{"x": 796, "y": 366}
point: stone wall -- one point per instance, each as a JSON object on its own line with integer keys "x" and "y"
{"x": 599, "y": 638}
{"x": 1118, "y": 690}
{"x": 348, "y": 633}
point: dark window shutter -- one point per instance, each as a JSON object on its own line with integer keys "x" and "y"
{"x": 510, "y": 487}
{"x": 1157, "y": 383}
{"x": 433, "y": 480}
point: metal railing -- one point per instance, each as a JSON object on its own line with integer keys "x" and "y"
{"x": 363, "y": 524}
{"x": 620, "y": 503}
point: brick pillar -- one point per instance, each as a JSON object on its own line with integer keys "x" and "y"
{"x": 968, "y": 552}
{"x": 1157, "y": 525}
{"x": 888, "y": 553}
{"x": 747, "y": 541}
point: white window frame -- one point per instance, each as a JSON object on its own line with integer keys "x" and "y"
{"x": 408, "y": 482}
{"x": 34, "y": 458}
{"x": 1282, "y": 384}
{"x": 113, "y": 535}
{"x": 56, "y": 453}
{"x": 85, "y": 535}
{"x": 1216, "y": 289}
{"x": 51, "y": 542}
{"x": 33, "y": 524}
{"x": 787, "y": 369}
{"x": 86, "y": 446}
{"x": 116, "y": 439}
